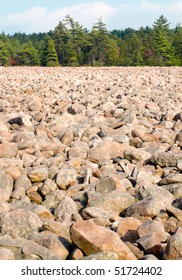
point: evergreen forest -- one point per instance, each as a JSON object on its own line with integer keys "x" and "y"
{"x": 70, "y": 44}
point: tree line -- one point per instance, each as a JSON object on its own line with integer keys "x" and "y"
{"x": 70, "y": 44}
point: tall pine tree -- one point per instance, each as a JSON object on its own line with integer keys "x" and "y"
{"x": 163, "y": 46}
{"x": 49, "y": 56}
{"x": 52, "y": 57}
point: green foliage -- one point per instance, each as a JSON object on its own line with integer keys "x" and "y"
{"x": 28, "y": 55}
{"x": 177, "y": 39}
{"x": 70, "y": 44}
{"x": 4, "y": 54}
{"x": 132, "y": 51}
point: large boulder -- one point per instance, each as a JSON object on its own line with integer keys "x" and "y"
{"x": 92, "y": 239}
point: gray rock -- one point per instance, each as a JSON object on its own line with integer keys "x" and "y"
{"x": 162, "y": 195}
{"x": 174, "y": 189}
{"x": 28, "y": 249}
{"x": 166, "y": 159}
{"x": 94, "y": 212}
{"x": 62, "y": 230}
{"x": 19, "y": 222}
{"x": 41, "y": 211}
{"x": 51, "y": 242}
{"x": 53, "y": 199}
{"x": 175, "y": 211}
{"x": 135, "y": 155}
{"x": 21, "y": 184}
{"x": 171, "y": 179}
{"x": 174, "y": 247}
{"x": 66, "y": 177}
{"x": 105, "y": 185}
{"x": 148, "y": 206}
{"x": 50, "y": 184}
{"x": 67, "y": 211}
{"x": 6, "y": 186}
{"x": 116, "y": 201}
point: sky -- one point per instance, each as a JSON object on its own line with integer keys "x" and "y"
{"x": 43, "y": 15}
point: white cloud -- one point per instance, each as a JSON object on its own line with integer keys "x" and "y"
{"x": 152, "y": 7}
{"x": 145, "y": 13}
{"x": 40, "y": 19}
{"x": 176, "y": 6}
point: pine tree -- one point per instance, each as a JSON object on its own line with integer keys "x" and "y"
{"x": 49, "y": 56}
{"x": 163, "y": 46}
{"x": 61, "y": 37}
{"x": 99, "y": 42}
{"x": 52, "y": 57}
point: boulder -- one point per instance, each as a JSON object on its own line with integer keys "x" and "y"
{"x": 91, "y": 239}
{"x": 19, "y": 222}
{"x": 174, "y": 247}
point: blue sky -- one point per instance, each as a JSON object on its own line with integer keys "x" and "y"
{"x": 43, "y": 15}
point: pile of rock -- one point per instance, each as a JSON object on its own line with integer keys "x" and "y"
{"x": 90, "y": 163}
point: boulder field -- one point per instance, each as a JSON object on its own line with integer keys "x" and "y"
{"x": 91, "y": 163}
